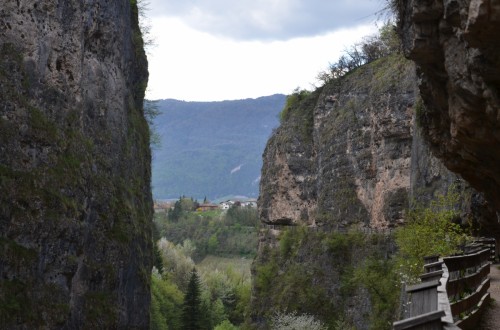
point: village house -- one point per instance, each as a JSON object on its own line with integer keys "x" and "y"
{"x": 229, "y": 203}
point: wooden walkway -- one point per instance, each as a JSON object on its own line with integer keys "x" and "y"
{"x": 491, "y": 316}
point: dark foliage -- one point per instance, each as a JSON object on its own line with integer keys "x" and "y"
{"x": 191, "y": 309}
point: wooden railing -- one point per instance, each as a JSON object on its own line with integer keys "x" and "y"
{"x": 491, "y": 244}
{"x": 452, "y": 292}
{"x": 468, "y": 285}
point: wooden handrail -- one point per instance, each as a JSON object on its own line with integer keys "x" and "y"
{"x": 431, "y": 320}
{"x": 431, "y": 276}
{"x": 463, "y": 279}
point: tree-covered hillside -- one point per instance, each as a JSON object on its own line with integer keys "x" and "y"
{"x": 212, "y": 149}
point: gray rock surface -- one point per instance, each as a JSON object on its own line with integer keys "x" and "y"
{"x": 343, "y": 157}
{"x": 352, "y": 154}
{"x": 455, "y": 46}
{"x": 75, "y": 202}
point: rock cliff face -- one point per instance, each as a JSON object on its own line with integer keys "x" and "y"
{"x": 455, "y": 46}
{"x": 348, "y": 156}
{"x": 75, "y": 207}
{"x": 343, "y": 155}
{"x": 352, "y": 154}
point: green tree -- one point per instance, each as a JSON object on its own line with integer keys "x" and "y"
{"x": 176, "y": 212}
{"x": 176, "y": 265}
{"x": 158, "y": 261}
{"x": 384, "y": 43}
{"x": 218, "y": 313}
{"x": 226, "y": 325}
{"x": 429, "y": 230}
{"x": 166, "y": 304}
{"x": 191, "y": 309}
{"x": 213, "y": 243}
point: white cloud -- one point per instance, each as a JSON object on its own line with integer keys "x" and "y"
{"x": 196, "y": 66}
{"x": 268, "y": 19}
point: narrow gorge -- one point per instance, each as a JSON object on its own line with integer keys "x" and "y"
{"x": 340, "y": 175}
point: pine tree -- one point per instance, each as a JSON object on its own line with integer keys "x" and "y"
{"x": 158, "y": 260}
{"x": 191, "y": 309}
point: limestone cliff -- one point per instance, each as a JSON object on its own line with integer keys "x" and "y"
{"x": 352, "y": 154}
{"x": 342, "y": 157}
{"x": 349, "y": 155}
{"x": 455, "y": 46}
{"x": 75, "y": 202}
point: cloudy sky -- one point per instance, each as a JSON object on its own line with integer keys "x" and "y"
{"x": 211, "y": 50}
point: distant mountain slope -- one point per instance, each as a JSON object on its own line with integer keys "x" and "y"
{"x": 212, "y": 149}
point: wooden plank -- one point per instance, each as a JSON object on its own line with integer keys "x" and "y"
{"x": 432, "y": 276}
{"x": 457, "y": 263}
{"x": 433, "y": 318}
{"x": 431, "y": 259}
{"x": 423, "y": 298}
{"x": 473, "y": 248}
{"x": 470, "y": 282}
{"x": 470, "y": 301}
{"x": 473, "y": 319}
{"x": 443, "y": 301}
{"x": 422, "y": 286}
{"x": 430, "y": 298}
{"x": 433, "y": 266}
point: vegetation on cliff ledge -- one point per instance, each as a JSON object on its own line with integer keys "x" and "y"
{"x": 322, "y": 274}
{"x": 429, "y": 230}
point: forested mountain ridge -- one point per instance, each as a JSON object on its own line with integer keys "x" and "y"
{"x": 212, "y": 149}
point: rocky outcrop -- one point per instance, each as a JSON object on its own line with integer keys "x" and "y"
{"x": 430, "y": 178}
{"x": 75, "y": 207}
{"x": 342, "y": 157}
{"x": 455, "y": 46}
{"x": 352, "y": 154}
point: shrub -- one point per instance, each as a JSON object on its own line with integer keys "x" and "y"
{"x": 429, "y": 231}
{"x": 292, "y": 101}
{"x": 166, "y": 304}
{"x": 226, "y": 325}
{"x": 292, "y": 321}
{"x": 384, "y": 43}
{"x": 380, "y": 278}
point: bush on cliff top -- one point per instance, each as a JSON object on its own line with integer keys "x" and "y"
{"x": 384, "y": 43}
